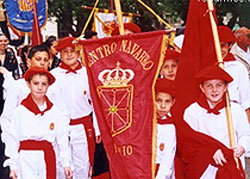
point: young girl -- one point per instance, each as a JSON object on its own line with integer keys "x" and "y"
{"x": 36, "y": 127}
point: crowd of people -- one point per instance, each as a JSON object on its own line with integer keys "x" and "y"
{"x": 49, "y": 127}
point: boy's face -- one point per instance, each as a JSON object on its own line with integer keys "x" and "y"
{"x": 40, "y": 59}
{"x": 38, "y": 86}
{"x": 163, "y": 102}
{"x": 169, "y": 69}
{"x": 225, "y": 48}
{"x": 213, "y": 90}
{"x": 69, "y": 56}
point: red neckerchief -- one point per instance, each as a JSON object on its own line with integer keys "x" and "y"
{"x": 69, "y": 69}
{"x": 202, "y": 101}
{"x": 168, "y": 120}
{"x": 32, "y": 106}
{"x": 229, "y": 58}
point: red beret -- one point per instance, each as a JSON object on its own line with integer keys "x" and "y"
{"x": 130, "y": 26}
{"x": 211, "y": 73}
{"x": 165, "y": 86}
{"x": 39, "y": 70}
{"x": 226, "y": 35}
{"x": 65, "y": 42}
{"x": 171, "y": 54}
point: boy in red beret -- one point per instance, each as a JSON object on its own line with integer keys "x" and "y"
{"x": 239, "y": 88}
{"x": 208, "y": 115}
{"x": 71, "y": 91}
{"x": 37, "y": 125}
{"x": 17, "y": 90}
{"x": 166, "y": 135}
{"x": 170, "y": 65}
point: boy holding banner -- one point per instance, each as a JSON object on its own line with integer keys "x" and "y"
{"x": 208, "y": 115}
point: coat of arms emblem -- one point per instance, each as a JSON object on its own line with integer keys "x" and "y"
{"x": 116, "y": 98}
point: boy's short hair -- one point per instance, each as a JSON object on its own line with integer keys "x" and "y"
{"x": 38, "y": 48}
{"x": 165, "y": 86}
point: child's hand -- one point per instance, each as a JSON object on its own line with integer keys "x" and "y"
{"x": 3, "y": 70}
{"x": 98, "y": 139}
{"x": 238, "y": 151}
{"x": 219, "y": 158}
{"x": 68, "y": 172}
{"x": 13, "y": 174}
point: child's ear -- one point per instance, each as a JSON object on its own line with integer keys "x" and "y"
{"x": 173, "y": 101}
{"x": 201, "y": 87}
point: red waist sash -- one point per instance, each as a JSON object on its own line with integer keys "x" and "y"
{"x": 90, "y": 134}
{"x": 49, "y": 154}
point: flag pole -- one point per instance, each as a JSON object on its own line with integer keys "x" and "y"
{"x": 119, "y": 16}
{"x": 220, "y": 61}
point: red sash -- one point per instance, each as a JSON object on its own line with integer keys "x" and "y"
{"x": 157, "y": 166}
{"x": 90, "y": 134}
{"x": 49, "y": 154}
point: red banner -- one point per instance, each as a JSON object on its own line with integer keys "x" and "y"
{"x": 122, "y": 71}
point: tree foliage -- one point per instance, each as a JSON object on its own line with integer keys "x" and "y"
{"x": 72, "y": 17}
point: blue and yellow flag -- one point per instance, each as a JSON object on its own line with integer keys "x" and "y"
{"x": 20, "y": 13}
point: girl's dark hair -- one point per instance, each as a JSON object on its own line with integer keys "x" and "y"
{"x": 49, "y": 41}
{"x": 38, "y": 48}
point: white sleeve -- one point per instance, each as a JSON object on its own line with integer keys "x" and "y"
{"x": 166, "y": 168}
{"x": 189, "y": 118}
{"x": 95, "y": 121}
{"x": 62, "y": 139}
{"x": 244, "y": 88}
{"x": 12, "y": 142}
{"x": 242, "y": 129}
{"x": 10, "y": 105}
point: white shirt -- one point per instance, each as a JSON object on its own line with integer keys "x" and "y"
{"x": 216, "y": 127}
{"x": 239, "y": 88}
{"x": 14, "y": 92}
{"x": 242, "y": 56}
{"x": 25, "y": 125}
{"x": 166, "y": 147}
{"x": 71, "y": 91}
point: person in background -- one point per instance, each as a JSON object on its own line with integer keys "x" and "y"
{"x": 129, "y": 28}
{"x": 170, "y": 65}
{"x": 239, "y": 88}
{"x": 166, "y": 134}
{"x": 90, "y": 35}
{"x": 23, "y": 53}
{"x": 51, "y": 43}
{"x": 241, "y": 49}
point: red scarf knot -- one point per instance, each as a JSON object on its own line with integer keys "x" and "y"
{"x": 202, "y": 101}
{"x": 69, "y": 69}
{"x": 32, "y": 106}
